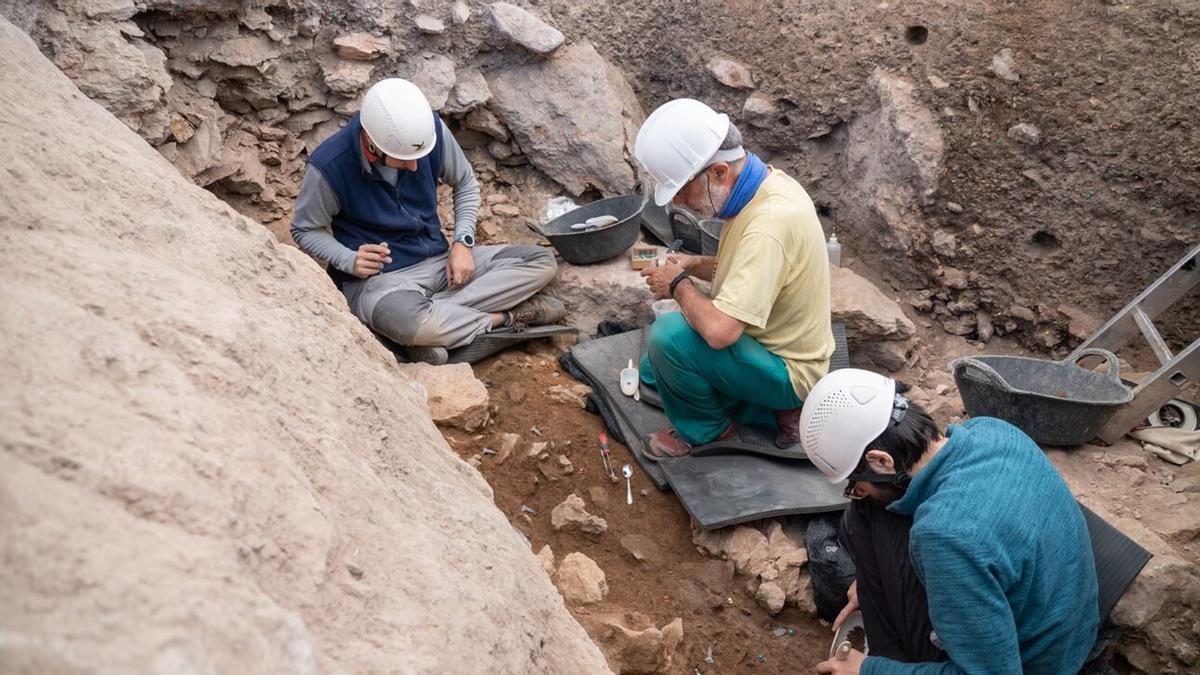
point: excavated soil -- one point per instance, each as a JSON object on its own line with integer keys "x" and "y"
{"x": 1039, "y": 228}
{"x": 675, "y": 580}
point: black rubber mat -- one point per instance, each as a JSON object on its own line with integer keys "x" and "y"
{"x": 1119, "y": 560}
{"x": 720, "y": 484}
{"x": 600, "y": 361}
{"x": 727, "y": 489}
{"x": 498, "y": 340}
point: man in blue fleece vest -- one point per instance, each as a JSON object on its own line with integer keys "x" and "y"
{"x": 998, "y": 551}
{"x": 368, "y": 208}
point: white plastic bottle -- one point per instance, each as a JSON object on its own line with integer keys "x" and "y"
{"x": 835, "y": 251}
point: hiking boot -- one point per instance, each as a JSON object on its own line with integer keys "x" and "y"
{"x": 788, "y": 422}
{"x": 434, "y": 356}
{"x": 667, "y": 444}
{"x": 539, "y": 310}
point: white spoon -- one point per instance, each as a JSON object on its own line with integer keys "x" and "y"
{"x": 627, "y": 471}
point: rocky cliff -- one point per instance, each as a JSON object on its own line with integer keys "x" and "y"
{"x": 207, "y": 464}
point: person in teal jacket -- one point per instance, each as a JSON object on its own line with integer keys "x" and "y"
{"x": 996, "y": 544}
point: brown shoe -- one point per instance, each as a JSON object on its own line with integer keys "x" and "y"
{"x": 540, "y": 310}
{"x": 667, "y": 444}
{"x": 789, "y": 427}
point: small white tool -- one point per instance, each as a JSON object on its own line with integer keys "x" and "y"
{"x": 629, "y": 381}
{"x": 601, "y": 221}
{"x": 627, "y": 471}
{"x": 841, "y": 640}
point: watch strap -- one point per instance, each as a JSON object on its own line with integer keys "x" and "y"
{"x": 675, "y": 282}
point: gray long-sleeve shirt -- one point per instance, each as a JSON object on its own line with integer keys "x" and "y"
{"x": 317, "y": 204}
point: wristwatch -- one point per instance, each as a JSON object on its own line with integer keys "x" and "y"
{"x": 675, "y": 282}
{"x": 465, "y": 239}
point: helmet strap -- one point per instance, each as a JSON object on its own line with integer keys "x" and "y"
{"x": 708, "y": 192}
{"x": 899, "y": 480}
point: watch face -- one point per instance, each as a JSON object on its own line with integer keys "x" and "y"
{"x": 467, "y": 240}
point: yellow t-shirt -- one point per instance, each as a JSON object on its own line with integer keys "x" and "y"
{"x": 773, "y": 275}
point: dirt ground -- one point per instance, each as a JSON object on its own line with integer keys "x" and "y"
{"x": 675, "y": 580}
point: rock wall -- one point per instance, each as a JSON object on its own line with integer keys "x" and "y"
{"x": 1022, "y": 233}
{"x": 236, "y": 95}
{"x": 207, "y": 464}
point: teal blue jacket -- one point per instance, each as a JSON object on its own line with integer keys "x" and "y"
{"x": 1003, "y": 551}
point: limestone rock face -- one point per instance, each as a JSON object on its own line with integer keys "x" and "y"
{"x": 206, "y": 463}
{"x": 521, "y": 27}
{"x": 895, "y": 155}
{"x": 580, "y": 579}
{"x": 633, "y": 644}
{"x": 574, "y": 115}
{"x": 128, "y": 78}
{"x": 361, "y": 46}
{"x": 730, "y": 73}
{"x": 571, "y": 514}
{"x": 869, "y": 315}
{"x": 456, "y": 398}
{"x": 434, "y": 75}
{"x": 774, "y": 559}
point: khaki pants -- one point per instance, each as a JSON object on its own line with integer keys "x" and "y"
{"x": 414, "y": 306}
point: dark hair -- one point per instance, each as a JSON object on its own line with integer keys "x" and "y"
{"x": 908, "y": 439}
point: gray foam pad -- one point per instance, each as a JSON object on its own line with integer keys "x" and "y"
{"x": 601, "y": 361}
{"x": 1119, "y": 560}
{"x": 718, "y": 483}
{"x": 722, "y": 490}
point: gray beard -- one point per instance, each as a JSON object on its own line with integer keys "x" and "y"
{"x": 707, "y": 209}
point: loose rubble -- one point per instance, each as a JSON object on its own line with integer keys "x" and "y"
{"x": 580, "y": 579}
{"x": 572, "y": 514}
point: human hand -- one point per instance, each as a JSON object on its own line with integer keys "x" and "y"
{"x": 370, "y": 259}
{"x": 848, "y": 666}
{"x": 687, "y": 262}
{"x": 659, "y": 279}
{"x": 850, "y": 608}
{"x": 460, "y": 265}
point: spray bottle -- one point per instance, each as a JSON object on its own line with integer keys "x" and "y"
{"x": 835, "y": 250}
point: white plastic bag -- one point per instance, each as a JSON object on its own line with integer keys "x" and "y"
{"x": 556, "y": 207}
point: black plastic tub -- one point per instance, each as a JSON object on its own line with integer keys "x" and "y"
{"x": 1055, "y": 402}
{"x": 710, "y": 235}
{"x": 583, "y": 247}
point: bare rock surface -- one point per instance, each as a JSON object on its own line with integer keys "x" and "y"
{"x": 361, "y": 46}
{"x": 456, "y": 398}
{"x": 770, "y": 555}
{"x": 522, "y": 27}
{"x": 633, "y": 644}
{"x": 546, "y": 557}
{"x": 572, "y": 514}
{"x": 570, "y": 394}
{"x": 208, "y": 465}
{"x": 894, "y": 153}
{"x": 580, "y": 579}
{"x": 731, "y": 73}
{"x": 608, "y": 289}
{"x": 575, "y": 117}
{"x": 868, "y": 314}
{"x": 434, "y": 75}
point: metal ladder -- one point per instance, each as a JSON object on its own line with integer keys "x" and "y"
{"x": 1175, "y": 370}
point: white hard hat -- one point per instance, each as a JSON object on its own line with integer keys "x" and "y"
{"x": 398, "y": 119}
{"x": 847, "y": 409}
{"x": 677, "y": 141}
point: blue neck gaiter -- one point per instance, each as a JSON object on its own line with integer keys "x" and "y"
{"x": 752, "y": 176}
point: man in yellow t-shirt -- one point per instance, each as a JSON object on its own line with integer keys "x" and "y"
{"x": 762, "y": 338}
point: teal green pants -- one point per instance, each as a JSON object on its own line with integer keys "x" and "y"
{"x": 703, "y": 389}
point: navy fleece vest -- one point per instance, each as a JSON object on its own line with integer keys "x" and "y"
{"x": 371, "y": 211}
